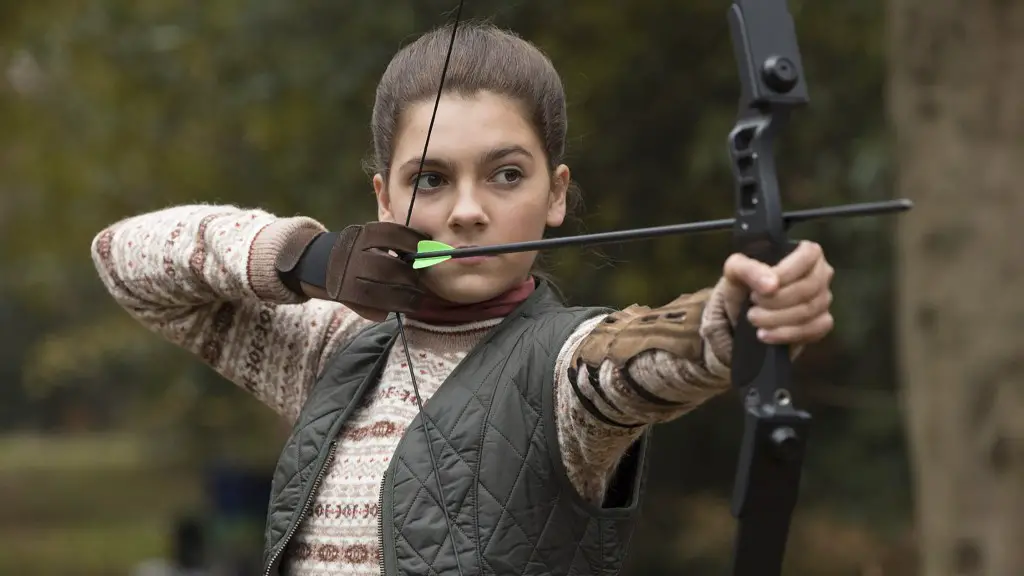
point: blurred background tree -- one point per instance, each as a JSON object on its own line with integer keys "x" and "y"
{"x": 956, "y": 73}
{"x": 111, "y": 108}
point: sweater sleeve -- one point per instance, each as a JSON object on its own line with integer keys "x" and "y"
{"x": 601, "y": 412}
{"x": 203, "y": 277}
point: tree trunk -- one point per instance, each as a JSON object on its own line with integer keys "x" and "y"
{"x": 956, "y": 102}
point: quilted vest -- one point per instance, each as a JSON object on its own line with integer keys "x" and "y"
{"x": 492, "y": 432}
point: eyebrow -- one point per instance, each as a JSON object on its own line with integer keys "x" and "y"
{"x": 491, "y": 155}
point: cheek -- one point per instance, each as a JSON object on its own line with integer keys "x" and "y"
{"x": 525, "y": 221}
{"x": 520, "y": 262}
{"x": 427, "y": 217}
{"x": 527, "y": 209}
{"x": 422, "y": 217}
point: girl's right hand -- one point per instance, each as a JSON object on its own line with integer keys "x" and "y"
{"x": 359, "y": 267}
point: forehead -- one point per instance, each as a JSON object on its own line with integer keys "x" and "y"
{"x": 464, "y": 125}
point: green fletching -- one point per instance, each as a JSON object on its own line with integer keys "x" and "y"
{"x": 428, "y": 262}
{"x": 430, "y": 246}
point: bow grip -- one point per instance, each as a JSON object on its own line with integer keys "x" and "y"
{"x": 771, "y": 452}
{"x": 749, "y": 353}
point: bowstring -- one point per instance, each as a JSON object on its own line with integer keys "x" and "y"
{"x": 401, "y": 323}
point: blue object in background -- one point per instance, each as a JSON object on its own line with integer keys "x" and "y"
{"x": 237, "y": 499}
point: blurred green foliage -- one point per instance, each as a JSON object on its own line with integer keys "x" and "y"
{"x": 110, "y": 108}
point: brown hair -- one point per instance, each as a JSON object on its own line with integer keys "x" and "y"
{"x": 483, "y": 58}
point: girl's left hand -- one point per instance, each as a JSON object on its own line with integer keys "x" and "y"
{"x": 791, "y": 300}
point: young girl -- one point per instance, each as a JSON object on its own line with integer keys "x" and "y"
{"x": 495, "y": 430}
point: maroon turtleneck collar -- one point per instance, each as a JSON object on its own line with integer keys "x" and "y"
{"x": 434, "y": 310}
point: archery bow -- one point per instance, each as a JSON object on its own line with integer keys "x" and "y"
{"x": 767, "y": 483}
{"x": 772, "y": 84}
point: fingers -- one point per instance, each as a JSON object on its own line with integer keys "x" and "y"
{"x": 791, "y": 301}
{"x": 382, "y": 267}
{"x": 800, "y": 290}
{"x": 799, "y": 313}
{"x": 391, "y": 236}
{"x": 764, "y": 279}
{"x": 374, "y": 301}
{"x": 369, "y": 313}
{"x": 799, "y": 262}
{"x": 742, "y": 270}
{"x": 805, "y": 333}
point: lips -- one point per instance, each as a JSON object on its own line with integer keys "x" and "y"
{"x": 469, "y": 260}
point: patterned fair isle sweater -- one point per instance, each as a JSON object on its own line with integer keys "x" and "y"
{"x": 203, "y": 277}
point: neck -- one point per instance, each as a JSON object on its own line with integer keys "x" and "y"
{"x": 443, "y": 312}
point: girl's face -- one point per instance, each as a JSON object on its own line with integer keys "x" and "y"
{"x": 485, "y": 181}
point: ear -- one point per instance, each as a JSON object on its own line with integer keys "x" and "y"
{"x": 380, "y": 189}
{"x": 557, "y": 198}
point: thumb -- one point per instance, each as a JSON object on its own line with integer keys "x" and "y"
{"x": 745, "y": 274}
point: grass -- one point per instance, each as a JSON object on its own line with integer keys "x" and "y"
{"x": 86, "y": 506}
{"x": 98, "y": 506}
{"x": 81, "y": 550}
{"x": 24, "y": 452}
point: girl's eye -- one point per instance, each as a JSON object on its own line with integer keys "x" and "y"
{"x": 428, "y": 181}
{"x": 509, "y": 176}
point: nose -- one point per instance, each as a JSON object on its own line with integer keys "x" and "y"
{"x": 468, "y": 211}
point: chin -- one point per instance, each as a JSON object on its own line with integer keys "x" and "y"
{"x": 470, "y": 288}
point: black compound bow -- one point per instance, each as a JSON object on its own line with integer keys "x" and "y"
{"x": 772, "y": 84}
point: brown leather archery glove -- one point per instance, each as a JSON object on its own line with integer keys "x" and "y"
{"x": 355, "y": 267}
{"x": 674, "y": 328}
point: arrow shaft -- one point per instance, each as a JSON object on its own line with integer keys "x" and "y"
{"x": 847, "y": 210}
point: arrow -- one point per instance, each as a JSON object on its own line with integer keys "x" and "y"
{"x": 431, "y": 252}
{"x": 430, "y": 246}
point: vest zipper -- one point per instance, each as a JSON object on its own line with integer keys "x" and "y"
{"x": 305, "y": 507}
{"x": 380, "y": 523}
{"x": 385, "y": 541}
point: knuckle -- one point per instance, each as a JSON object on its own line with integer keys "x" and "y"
{"x": 809, "y": 292}
{"x": 734, "y": 261}
{"x": 809, "y": 309}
